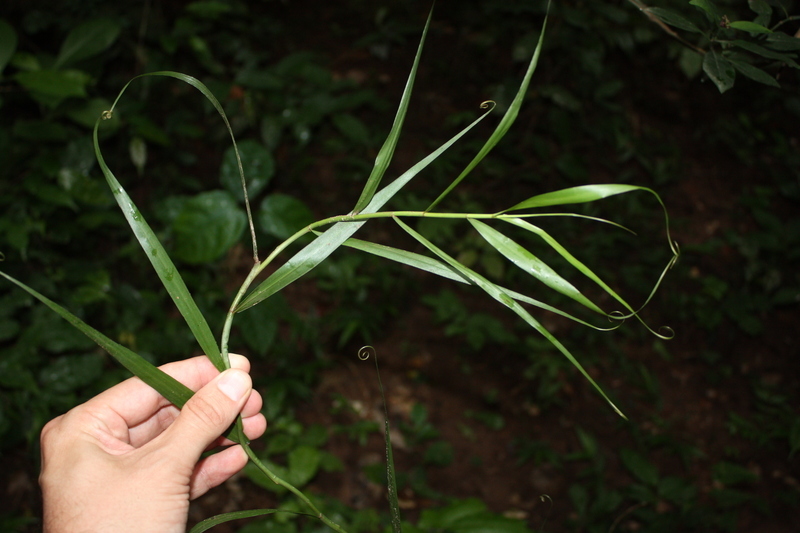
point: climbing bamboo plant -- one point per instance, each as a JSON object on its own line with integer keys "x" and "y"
{"x": 333, "y": 232}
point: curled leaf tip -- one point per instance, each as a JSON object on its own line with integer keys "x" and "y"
{"x": 617, "y": 315}
{"x": 666, "y": 332}
{"x": 488, "y": 104}
{"x": 2, "y": 256}
{"x": 545, "y": 498}
{"x": 365, "y": 352}
{"x": 107, "y": 115}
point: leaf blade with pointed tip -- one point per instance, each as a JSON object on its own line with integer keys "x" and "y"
{"x": 575, "y": 195}
{"x": 505, "y": 123}
{"x": 166, "y": 385}
{"x": 386, "y": 152}
{"x": 163, "y": 265}
{"x": 324, "y": 245}
{"x": 208, "y": 523}
{"x": 528, "y": 262}
{"x": 433, "y": 266}
{"x": 503, "y": 297}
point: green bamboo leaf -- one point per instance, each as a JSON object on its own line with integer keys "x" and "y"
{"x": 591, "y": 275}
{"x": 505, "y": 123}
{"x": 387, "y": 150}
{"x": 430, "y": 265}
{"x": 572, "y": 260}
{"x": 532, "y": 264}
{"x": 422, "y": 262}
{"x": 751, "y": 27}
{"x": 504, "y": 298}
{"x": 324, "y": 245}
{"x": 87, "y": 40}
{"x": 155, "y": 251}
{"x": 208, "y": 523}
{"x": 163, "y": 265}
{"x": 576, "y": 195}
{"x": 173, "y": 390}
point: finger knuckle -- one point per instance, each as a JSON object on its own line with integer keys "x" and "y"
{"x": 206, "y": 412}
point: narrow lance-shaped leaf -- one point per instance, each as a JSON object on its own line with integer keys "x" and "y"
{"x": 386, "y": 152}
{"x": 169, "y": 275}
{"x": 576, "y": 195}
{"x": 214, "y": 521}
{"x": 591, "y": 275}
{"x": 590, "y": 193}
{"x": 433, "y": 266}
{"x": 173, "y": 390}
{"x": 155, "y": 252}
{"x": 310, "y": 256}
{"x": 315, "y": 252}
{"x": 531, "y": 264}
{"x": 505, "y": 123}
{"x": 503, "y": 297}
{"x": 170, "y": 388}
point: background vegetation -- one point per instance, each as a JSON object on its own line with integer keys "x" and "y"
{"x": 489, "y": 418}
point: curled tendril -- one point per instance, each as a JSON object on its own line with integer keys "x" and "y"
{"x": 488, "y": 104}
{"x": 546, "y": 498}
{"x": 2, "y": 256}
{"x": 365, "y": 352}
{"x": 107, "y": 115}
{"x": 666, "y": 332}
{"x": 617, "y": 315}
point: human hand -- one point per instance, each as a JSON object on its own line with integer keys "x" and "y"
{"x": 128, "y": 460}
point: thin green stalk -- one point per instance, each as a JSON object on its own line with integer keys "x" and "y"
{"x": 275, "y": 479}
{"x": 226, "y": 330}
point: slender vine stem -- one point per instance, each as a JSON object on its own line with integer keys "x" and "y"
{"x": 226, "y": 330}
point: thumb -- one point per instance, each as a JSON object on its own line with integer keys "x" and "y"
{"x": 210, "y": 412}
